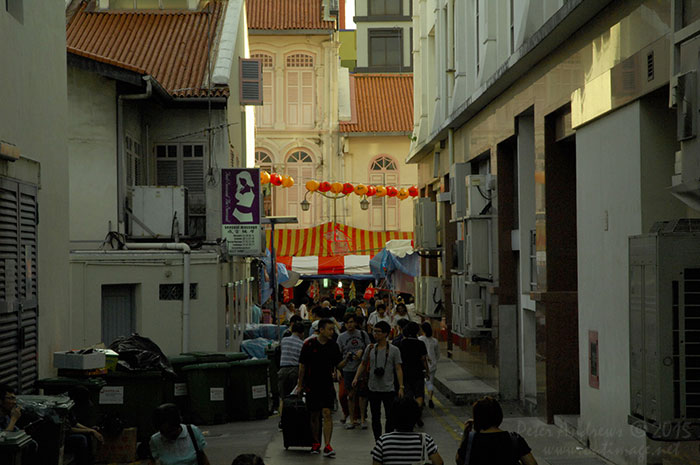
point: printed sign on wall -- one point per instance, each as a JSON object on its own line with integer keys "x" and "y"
{"x": 241, "y": 210}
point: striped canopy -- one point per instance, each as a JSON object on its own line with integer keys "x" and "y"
{"x": 327, "y": 241}
{"x": 330, "y": 248}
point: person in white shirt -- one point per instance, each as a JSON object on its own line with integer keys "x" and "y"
{"x": 431, "y": 344}
{"x": 303, "y": 309}
{"x": 380, "y": 314}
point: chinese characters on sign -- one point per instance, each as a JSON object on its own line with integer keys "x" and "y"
{"x": 241, "y": 211}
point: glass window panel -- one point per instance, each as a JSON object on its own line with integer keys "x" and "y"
{"x": 691, "y": 11}
{"x": 148, "y": 4}
{"x": 121, "y": 4}
{"x": 172, "y": 151}
{"x": 174, "y": 4}
{"x": 187, "y": 151}
{"x": 378, "y": 51}
{"x": 198, "y": 150}
{"x": 393, "y": 7}
{"x": 393, "y": 52}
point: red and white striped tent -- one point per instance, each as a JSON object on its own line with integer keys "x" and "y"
{"x": 330, "y": 248}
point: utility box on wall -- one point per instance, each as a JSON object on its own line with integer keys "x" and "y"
{"x": 156, "y": 207}
{"x": 664, "y": 303}
{"x": 425, "y": 223}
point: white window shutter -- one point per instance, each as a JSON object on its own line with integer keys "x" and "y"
{"x": 293, "y": 103}
{"x": 250, "y": 81}
{"x": 307, "y": 98}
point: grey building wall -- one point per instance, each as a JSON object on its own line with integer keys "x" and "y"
{"x": 33, "y": 110}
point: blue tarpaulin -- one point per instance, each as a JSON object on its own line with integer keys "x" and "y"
{"x": 395, "y": 269}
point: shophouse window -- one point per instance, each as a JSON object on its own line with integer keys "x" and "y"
{"x": 300, "y": 166}
{"x": 263, "y": 160}
{"x": 384, "y": 7}
{"x": 265, "y": 115}
{"x": 385, "y": 47}
{"x": 299, "y": 75}
{"x": 384, "y": 211}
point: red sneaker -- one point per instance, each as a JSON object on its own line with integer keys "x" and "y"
{"x": 328, "y": 451}
{"x": 316, "y": 448}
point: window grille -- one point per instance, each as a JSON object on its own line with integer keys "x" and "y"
{"x": 264, "y": 58}
{"x": 383, "y": 163}
{"x": 174, "y": 291}
{"x": 300, "y": 60}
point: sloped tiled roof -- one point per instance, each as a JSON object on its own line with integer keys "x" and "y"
{"x": 382, "y": 103}
{"x": 276, "y": 15}
{"x": 169, "y": 45}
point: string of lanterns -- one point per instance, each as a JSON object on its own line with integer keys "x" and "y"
{"x": 338, "y": 188}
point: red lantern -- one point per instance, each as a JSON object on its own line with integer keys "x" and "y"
{"x": 276, "y": 179}
{"x": 391, "y": 191}
{"x": 325, "y": 186}
{"x": 413, "y": 191}
{"x": 348, "y": 188}
{"x": 371, "y": 190}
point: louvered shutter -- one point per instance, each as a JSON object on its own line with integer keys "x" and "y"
{"x": 18, "y": 285}
{"x": 293, "y": 97}
{"x": 293, "y": 199}
{"x": 166, "y": 165}
{"x": 307, "y": 98}
{"x": 376, "y": 213}
{"x": 392, "y": 204}
{"x": 251, "y": 89}
{"x": 267, "y": 110}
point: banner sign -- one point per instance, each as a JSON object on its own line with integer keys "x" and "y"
{"x": 241, "y": 211}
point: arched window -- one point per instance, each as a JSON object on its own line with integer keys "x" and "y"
{"x": 384, "y": 211}
{"x": 299, "y": 78}
{"x": 263, "y": 160}
{"x": 300, "y": 166}
{"x": 265, "y": 115}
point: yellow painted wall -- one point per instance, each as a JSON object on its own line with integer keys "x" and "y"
{"x": 361, "y": 150}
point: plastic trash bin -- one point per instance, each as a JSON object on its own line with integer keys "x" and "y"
{"x": 216, "y": 357}
{"x": 249, "y": 389}
{"x": 207, "y": 387}
{"x": 133, "y": 396}
{"x": 12, "y": 446}
{"x": 63, "y": 385}
{"x": 45, "y": 418}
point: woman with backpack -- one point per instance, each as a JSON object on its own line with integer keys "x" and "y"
{"x": 484, "y": 443}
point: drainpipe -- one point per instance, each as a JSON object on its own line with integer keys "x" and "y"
{"x": 185, "y": 249}
{"x": 121, "y": 155}
{"x": 451, "y": 146}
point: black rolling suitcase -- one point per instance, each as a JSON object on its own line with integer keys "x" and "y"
{"x": 296, "y": 423}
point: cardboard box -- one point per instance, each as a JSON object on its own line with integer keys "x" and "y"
{"x": 118, "y": 449}
{"x": 111, "y": 359}
{"x": 75, "y": 361}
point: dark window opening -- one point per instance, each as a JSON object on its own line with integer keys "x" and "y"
{"x": 174, "y": 291}
{"x": 385, "y": 7}
{"x": 385, "y": 47}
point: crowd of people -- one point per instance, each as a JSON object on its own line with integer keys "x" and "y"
{"x": 379, "y": 355}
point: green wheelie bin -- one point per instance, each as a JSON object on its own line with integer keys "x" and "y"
{"x": 249, "y": 389}
{"x": 216, "y": 357}
{"x": 176, "y": 391}
{"x": 207, "y": 390}
{"x": 133, "y": 396}
{"x": 64, "y": 385}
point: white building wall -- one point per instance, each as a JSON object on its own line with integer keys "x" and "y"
{"x": 92, "y": 142}
{"x": 159, "y": 320}
{"x": 620, "y": 192}
{"x": 33, "y": 109}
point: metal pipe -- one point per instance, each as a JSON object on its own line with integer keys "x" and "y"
{"x": 121, "y": 155}
{"x": 185, "y": 249}
{"x": 451, "y": 147}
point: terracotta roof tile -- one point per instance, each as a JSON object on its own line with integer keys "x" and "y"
{"x": 286, "y": 15}
{"x": 383, "y": 103}
{"x": 171, "y": 45}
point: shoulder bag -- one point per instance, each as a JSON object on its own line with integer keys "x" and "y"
{"x": 201, "y": 456}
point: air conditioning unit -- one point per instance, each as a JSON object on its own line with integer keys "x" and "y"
{"x": 477, "y": 248}
{"x": 154, "y": 209}
{"x": 664, "y": 303}
{"x": 479, "y": 190}
{"x": 475, "y": 310}
{"x": 430, "y": 296}
{"x": 458, "y": 262}
{"x": 457, "y": 192}
{"x": 459, "y": 322}
{"x": 457, "y": 289}
{"x": 424, "y": 223}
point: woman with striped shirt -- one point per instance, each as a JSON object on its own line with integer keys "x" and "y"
{"x": 403, "y": 446}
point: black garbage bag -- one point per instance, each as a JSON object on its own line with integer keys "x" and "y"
{"x": 138, "y": 353}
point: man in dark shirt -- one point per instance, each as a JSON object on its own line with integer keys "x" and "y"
{"x": 415, "y": 364}
{"x": 319, "y": 358}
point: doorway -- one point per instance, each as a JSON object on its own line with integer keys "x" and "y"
{"x": 118, "y": 311}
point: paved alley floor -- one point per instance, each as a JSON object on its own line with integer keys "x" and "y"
{"x": 550, "y": 444}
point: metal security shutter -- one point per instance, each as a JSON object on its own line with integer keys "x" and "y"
{"x": 18, "y": 285}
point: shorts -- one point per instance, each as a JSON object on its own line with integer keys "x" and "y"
{"x": 414, "y": 387}
{"x": 348, "y": 377}
{"x": 286, "y": 380}
{"x": 319, "y": 398}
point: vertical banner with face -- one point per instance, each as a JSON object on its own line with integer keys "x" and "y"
{"x": 241, "y": 211}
